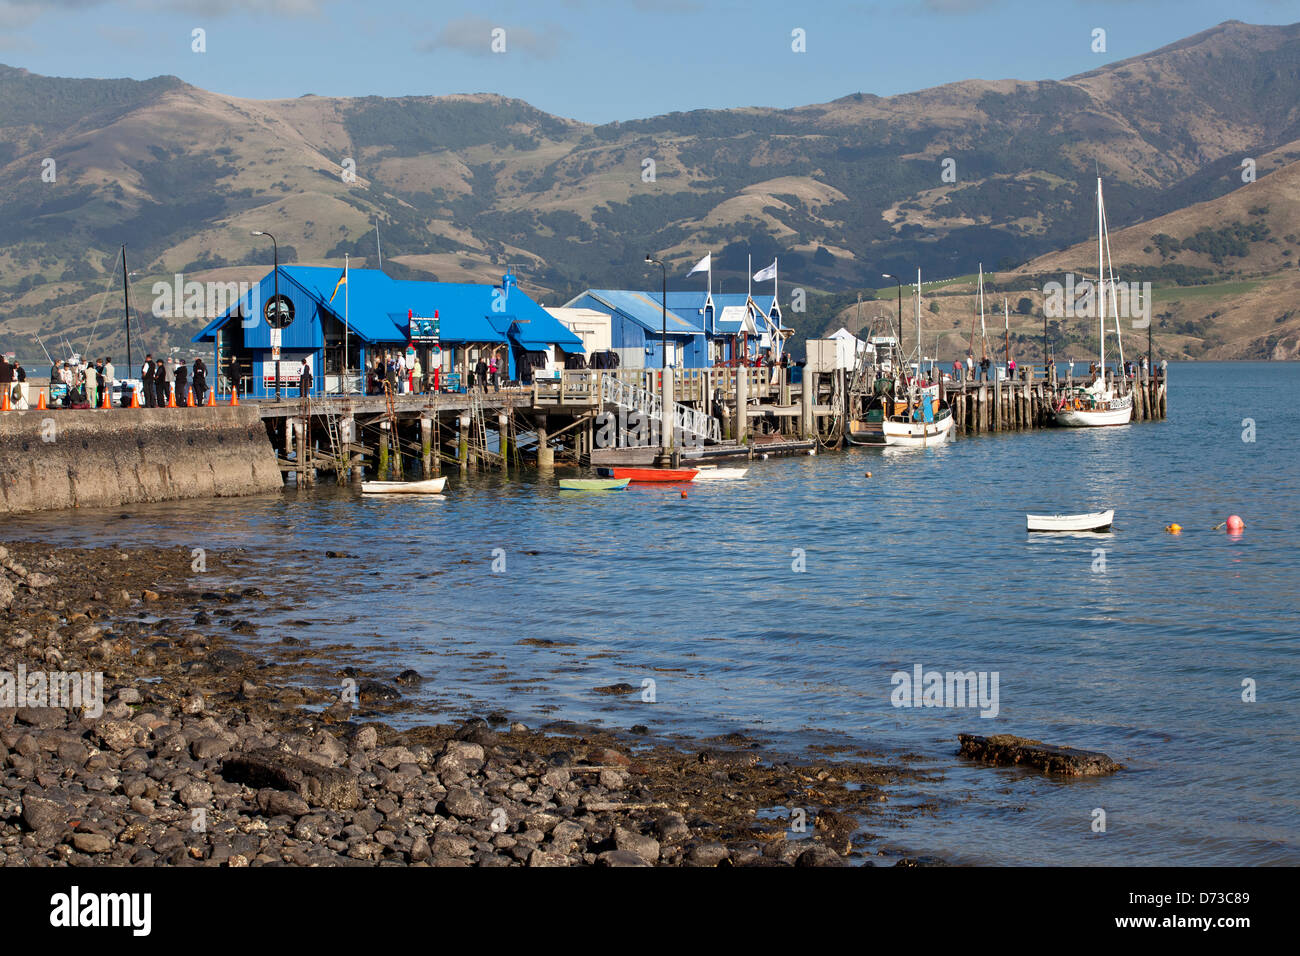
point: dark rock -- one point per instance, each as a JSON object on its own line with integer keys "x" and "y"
{"x": 620, "y": 858}
{"x": 1008, "y": 750}
{"x": 320, "y": 786}
{"x": 613, "y": 690}
{"x": 372, "y": 691}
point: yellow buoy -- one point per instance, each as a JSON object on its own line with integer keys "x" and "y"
{"x": 1174, "y": 528}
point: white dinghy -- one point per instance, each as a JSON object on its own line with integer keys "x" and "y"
{"x": 1096, "y": 521}
{"x": 712, "y": 473}
{"x": 431, "y": 486}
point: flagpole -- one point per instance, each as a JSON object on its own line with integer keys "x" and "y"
{"x": 345, "y": 322}
{"x": 775, "y": 298}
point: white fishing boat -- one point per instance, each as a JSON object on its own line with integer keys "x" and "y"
{"x": 430, "y": 486}
{"x": 918, "y": 434}
{"x": 920, "y": 417}
{"x": 1097, "y": 403}
{"x": 1095, "y": 521}
{"x": 713, "y": 473}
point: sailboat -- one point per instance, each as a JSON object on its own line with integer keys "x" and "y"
{"x": 922, "y": 417}
{"x": 1097, "y": 403}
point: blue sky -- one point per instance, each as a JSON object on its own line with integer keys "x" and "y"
{"x": 598, "y": 60}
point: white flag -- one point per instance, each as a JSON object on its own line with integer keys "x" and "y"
{"x": 704, "y": 265}
{"x": 764, "y": 274}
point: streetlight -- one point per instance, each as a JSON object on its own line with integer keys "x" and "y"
{"x": 275, "y": 248}
{"x": 663, "y": 348}
{"x": 899, "y": 333}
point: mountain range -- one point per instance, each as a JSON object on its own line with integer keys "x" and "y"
{"x": 999, "y": 173}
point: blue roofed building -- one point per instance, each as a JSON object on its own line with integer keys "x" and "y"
{"x": 701, "y": 329}
{"x": 341, "y": 329}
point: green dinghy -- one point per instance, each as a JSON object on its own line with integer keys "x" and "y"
{"x": 593, "y": 484}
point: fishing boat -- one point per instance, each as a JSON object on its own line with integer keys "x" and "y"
{"x": 1095, "y": 521}
{"x": 1098, "y": 404}
{"x": 430, "y": 486}
{"x": 649, "y": 474}
{"x": 714, "y": 473}
{"x": 919, "y": 417}
{"x": 594, "y": 484}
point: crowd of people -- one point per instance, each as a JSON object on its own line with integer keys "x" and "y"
{"x": 400, "y": 375}
{"x": 74, "y": 383}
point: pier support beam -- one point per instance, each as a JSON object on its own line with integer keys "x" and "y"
{"x": 545, "y": 454}
{"x": 503, "y": 439}
{"x": 462, "y": 440}
{"x": 426, "y": 446}
{"x": 742, "y": 404}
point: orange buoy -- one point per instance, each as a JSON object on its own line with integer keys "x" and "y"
{"x": 40, "y": 400}
{"x": 1234, "y": 524}
{"x": 1174, "y": 528}
{"x": 867, "y": 475}
{"x": 683, "y": 494}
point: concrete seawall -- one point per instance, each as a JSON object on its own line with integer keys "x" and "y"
{"x": 107, "y": 457}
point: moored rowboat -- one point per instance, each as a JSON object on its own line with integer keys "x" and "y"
{"x": 593, "y": 484}
{"x": 649, "y": 474}
{"x": 1096, "y": 521}
{"x": 430, "y": 486}
{"x": 712, "y": 473}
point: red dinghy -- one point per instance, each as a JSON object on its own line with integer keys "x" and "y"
{"x": 650, "y": 474}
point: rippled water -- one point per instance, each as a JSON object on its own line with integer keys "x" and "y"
{"x": 927, "y": 563}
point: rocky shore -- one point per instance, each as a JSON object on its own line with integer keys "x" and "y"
{"x": 207, "y": 748}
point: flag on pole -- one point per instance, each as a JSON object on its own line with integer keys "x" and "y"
{"x": 340, "y": 284}
{"x": 764, "y": 274}
{"x": 704, "y": 265}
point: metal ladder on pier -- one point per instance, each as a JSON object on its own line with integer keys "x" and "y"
{"x": 478, "y": 443}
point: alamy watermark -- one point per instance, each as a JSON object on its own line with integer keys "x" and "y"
{"x": 204, "y": 300}
{"x": 922, "y": 688}
{"x": 75, "y": 690}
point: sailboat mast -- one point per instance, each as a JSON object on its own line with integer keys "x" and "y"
{"x": 1101, "y": 297}
{"x": 126, "y": 308}
{"x": 1006, "y": 335}
{"x": 984, "y": 339}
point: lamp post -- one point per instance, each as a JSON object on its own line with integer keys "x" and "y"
{"x": 899, "y": 333}
{"x": 275, "y": 249}
{"x": 663, "y": 348}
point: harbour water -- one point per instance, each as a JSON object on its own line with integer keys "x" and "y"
{"x": 782, "y": 605}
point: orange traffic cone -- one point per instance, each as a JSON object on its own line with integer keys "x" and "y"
{"x": 135, "y": 399}
{"x": 40, "y": 400}
{"x": 234, "y": 396}
{"x": 4, "y": 403}
{"x": 171, "y": 398}
{"x": 108, "y": 399}
{"x": 212, "y": 398}
{"x": 189, "y": 398}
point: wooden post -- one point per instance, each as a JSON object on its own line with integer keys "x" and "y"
{"x": 503, "y": 439}
{"x": 545, "y": 454}
{"x": 808, "y": 403}
{"x": 742, "y": 402}
{"x": 462, "y": 440}
{"x": 426, "y": 446}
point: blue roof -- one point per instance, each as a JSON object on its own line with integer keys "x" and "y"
{"x": 647, "y": 310}
{"x": 378, "y": 306}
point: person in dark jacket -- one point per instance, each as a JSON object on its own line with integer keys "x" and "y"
{"x": 304, "y": 379}
{"x": 146, "y": 377}
{"x": 160, "y": 384}
{"x": 182, "y": 374}
{"x": 480, "y": 373}
{"x": 200, "y": 381}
